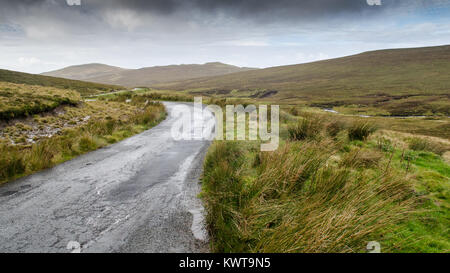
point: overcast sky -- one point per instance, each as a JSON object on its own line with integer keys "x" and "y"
{"x": 42, "y": 35}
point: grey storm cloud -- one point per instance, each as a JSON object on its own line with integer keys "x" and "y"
{"x": 42, "y": 35}
{"x": 258, "y": 10}
{"x": 245, "y": 9}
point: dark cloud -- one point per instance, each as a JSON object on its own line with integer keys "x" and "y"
{"x": 257, "y": 10}
{"x": 245, "y": 9}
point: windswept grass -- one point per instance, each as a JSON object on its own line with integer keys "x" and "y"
{"x": 361, "y": 130}
{"x": 330, "y": 187}
{"x": 297, "y": 200}
{"x": 308, "y": 127}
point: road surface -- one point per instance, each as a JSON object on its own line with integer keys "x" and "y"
{"x": 139, "y": 195}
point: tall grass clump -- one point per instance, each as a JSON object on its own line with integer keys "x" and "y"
{"x": 288, "y": 169}
{"x": 334, "y": 127}
{"x": 296, "y": 199}
{"x": 224, "y": 196}
{"x": 42, "y": 154}
{"x": 87, "y": 143}
{"x": 11, "y": 162}
{"x": 339, "y": 213}
{"x": 360, "y": 130}
{"x": 309, "y": 127}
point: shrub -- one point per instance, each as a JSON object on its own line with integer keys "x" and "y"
{"x": 361, "y": 130}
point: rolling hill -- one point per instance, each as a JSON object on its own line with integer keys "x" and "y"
{"x": 84, "y": 88}
{"x": 410, "y": 81}
{"x": 85, "y": 72}
{"x": 144, "y": 76}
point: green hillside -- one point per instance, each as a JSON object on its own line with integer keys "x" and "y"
{"x": 84, "y": 88}
{"x": 412, "y": 81}
{"x": 144, "y": 76}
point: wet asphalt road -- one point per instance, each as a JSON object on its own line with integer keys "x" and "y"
{"x": 139, "y": 195}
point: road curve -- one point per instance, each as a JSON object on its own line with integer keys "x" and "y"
{"x": 138, "y": 195}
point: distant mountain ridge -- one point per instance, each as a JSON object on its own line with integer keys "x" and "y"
{"x": 405, "y": 81}
{"x": 146, "y": 76}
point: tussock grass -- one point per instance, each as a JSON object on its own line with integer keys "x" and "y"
{"x": 327, "y": 192}
{"x": 309, "y": 127}
{"x": 287, "y": 170}
{"x": 338, "y": 214}
{"x": 335, "y": 126}
{"x": 297, "y": 200}
{"x": 360, "y": 130}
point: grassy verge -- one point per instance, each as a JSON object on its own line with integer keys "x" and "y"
{"x": 330, "y": 187}
{"x": 18, "y": 100}
{"x": 110, "y": 122}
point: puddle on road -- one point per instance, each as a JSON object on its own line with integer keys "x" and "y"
{"x": 198, "y": 224}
